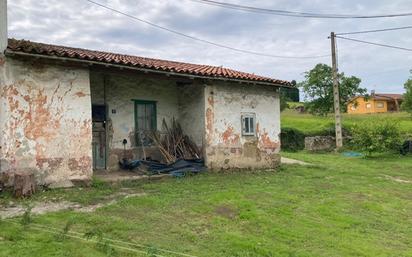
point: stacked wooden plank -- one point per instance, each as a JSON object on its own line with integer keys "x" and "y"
{"x": 174, "y": 144}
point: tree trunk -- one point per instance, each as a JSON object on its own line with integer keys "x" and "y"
{"x": 24, "y": 185}
{"x": 397, "y": 105}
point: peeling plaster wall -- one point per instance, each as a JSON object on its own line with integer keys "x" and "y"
{"x": 45, "y": 119}
{"x": 225, "y": 145}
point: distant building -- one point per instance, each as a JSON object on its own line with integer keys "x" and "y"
{"x": 375, "y": 103}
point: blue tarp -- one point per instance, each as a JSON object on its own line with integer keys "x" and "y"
{"x": 352, "y": 154}
{"x": 178, "y": 169}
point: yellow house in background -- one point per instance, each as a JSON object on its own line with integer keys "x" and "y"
{"x": 375, "y": 103}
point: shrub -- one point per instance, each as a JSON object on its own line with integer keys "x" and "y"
{"x": 292, "y": 139}
{"x": 377, "y": 137}
{"x": 330, "y": 130}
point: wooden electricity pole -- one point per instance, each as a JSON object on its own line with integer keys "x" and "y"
{"x": 336, "y": 101}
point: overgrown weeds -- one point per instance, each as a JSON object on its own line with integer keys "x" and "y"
{"x": 102, "y": 244}
{"x": 63, "y": 234}
{"x": 26, "y": 219}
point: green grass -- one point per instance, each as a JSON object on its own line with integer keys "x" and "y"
{"x": 312, "y": 125}
{"x": 339, "y": 207}
{"x": 293, "y": 105}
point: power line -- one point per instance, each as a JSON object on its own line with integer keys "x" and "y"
{"x": 376, "y": 44}
{"x": 296, "y": 14}
{"x": 204, "y": 40}
{"x": 375, "y": 30}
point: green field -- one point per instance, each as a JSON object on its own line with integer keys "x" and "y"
{"x": 338, "y": 207}
{"x": 310, "y": 124}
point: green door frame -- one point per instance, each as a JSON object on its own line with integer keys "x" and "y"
{"x": 154, "y": 117}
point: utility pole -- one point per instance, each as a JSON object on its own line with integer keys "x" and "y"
{"x": 336, "y": 100}
{"x": 3, "y": 26}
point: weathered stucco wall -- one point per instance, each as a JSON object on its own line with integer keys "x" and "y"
{"x": 45, "y": 119}
{"x": 225, "y": 145}
{"x": 120, "y": 91}
{"x": 192, "y": 111}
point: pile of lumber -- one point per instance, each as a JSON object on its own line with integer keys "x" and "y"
{"x": 174, "y": 145}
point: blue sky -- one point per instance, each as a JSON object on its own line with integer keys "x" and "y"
{"x": 80, "y": 24}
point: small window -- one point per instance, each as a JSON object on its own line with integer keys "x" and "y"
{"x": 353, "y": 107}
{"x": 248, "y": 124}
{"x": 368, "y": 106}
{"x": 380, "y": 104}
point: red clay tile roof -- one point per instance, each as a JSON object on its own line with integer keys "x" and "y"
{"x": 388, "y": 96}
{"x": 378, "y": 96}
{"x": 136, "y": 61}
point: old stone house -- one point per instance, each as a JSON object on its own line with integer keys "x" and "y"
{"x": 67, "y": 111}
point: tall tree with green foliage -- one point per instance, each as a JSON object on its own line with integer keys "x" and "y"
{"x": 288, "y": 95}
{"x": 284, "y": 101}
{"x": 292, "y": 93}
{"x": 318, "y": 89}
{"x": 407, "y": 97}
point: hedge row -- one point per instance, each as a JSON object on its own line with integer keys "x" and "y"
{"x": 294, "y": 139}
{"x": 379, "y": 136}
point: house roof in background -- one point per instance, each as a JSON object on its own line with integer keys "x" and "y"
{"x": 29, "y": 47}
{"x": 380, "y": 96}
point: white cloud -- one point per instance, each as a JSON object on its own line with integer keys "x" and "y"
{"x": 81, "y": 24}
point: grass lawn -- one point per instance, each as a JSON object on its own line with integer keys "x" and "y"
{"x": 310, "y": 124}
{"x": 339, "y": 207}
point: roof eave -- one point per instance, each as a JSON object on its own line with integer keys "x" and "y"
{"x": 9, "y": 52}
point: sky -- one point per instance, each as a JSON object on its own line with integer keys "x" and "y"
{"x": 78, "y": 23}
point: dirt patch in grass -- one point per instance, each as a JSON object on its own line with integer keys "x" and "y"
{"x": 43, "y": 207}
{"x": 325, "y": 186}
{"x": 226, "y": 211}
{"x": 397, "y": 179}
{"x": 357, "y": 196}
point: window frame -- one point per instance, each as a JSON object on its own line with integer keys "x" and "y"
{"x": 153, "y": 118}
{"x": 380, "y": 105}
{"x": 242, "y": 120}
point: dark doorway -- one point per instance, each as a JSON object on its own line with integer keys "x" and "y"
{"x": 99, "y": 136}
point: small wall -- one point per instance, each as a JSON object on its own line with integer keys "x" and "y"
{"x": 225, "y": 145}
{"x": 45, "y": 119}
{"x": 320, "y": 143}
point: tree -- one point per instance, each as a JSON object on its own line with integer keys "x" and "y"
{"x": 283, "y": 102}
{"x": 291, "y": 93}
{"x": 318, "y": 88}
{"x": 288, "y": 95}
{"x": 407, "y": 97}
